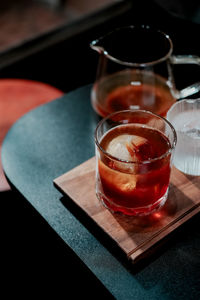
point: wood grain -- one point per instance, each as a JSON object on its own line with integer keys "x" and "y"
{"x": 134, "y": 235}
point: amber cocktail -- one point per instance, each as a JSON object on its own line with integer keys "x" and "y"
{"x": 134, "y": 151}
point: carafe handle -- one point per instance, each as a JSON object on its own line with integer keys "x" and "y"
{"x": 186, "y": 59}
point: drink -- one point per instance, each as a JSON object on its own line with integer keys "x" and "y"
{"x": 133, "y": 161}
{"x": 132, "y": 90}
{"x": 185, "y": 117}
{"x": 187, "y": 154}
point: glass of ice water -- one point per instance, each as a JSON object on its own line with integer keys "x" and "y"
{"x": 185, "y": 117}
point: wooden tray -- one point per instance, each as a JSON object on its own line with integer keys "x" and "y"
{"x": 134, "y": 235}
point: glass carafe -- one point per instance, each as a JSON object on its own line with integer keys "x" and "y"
{"x": 135, "y": 71}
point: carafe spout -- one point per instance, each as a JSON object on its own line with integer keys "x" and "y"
{"x": 97, "y": 47}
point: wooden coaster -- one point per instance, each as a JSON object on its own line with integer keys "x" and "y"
{"x": 17, "y": 97}
{"x": 134, "y": 235}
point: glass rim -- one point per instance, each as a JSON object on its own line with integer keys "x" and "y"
{"x": 132, "y": 64}
{"x": 178, "y": 103}
{"x": 172, "y": 145}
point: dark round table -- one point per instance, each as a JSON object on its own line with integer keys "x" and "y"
{"x": 49, "y": 141}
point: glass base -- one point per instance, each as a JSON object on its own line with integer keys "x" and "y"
{"x": 136, "y": 211}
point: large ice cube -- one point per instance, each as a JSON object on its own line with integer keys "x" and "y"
{"x": 125, "y": 146}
